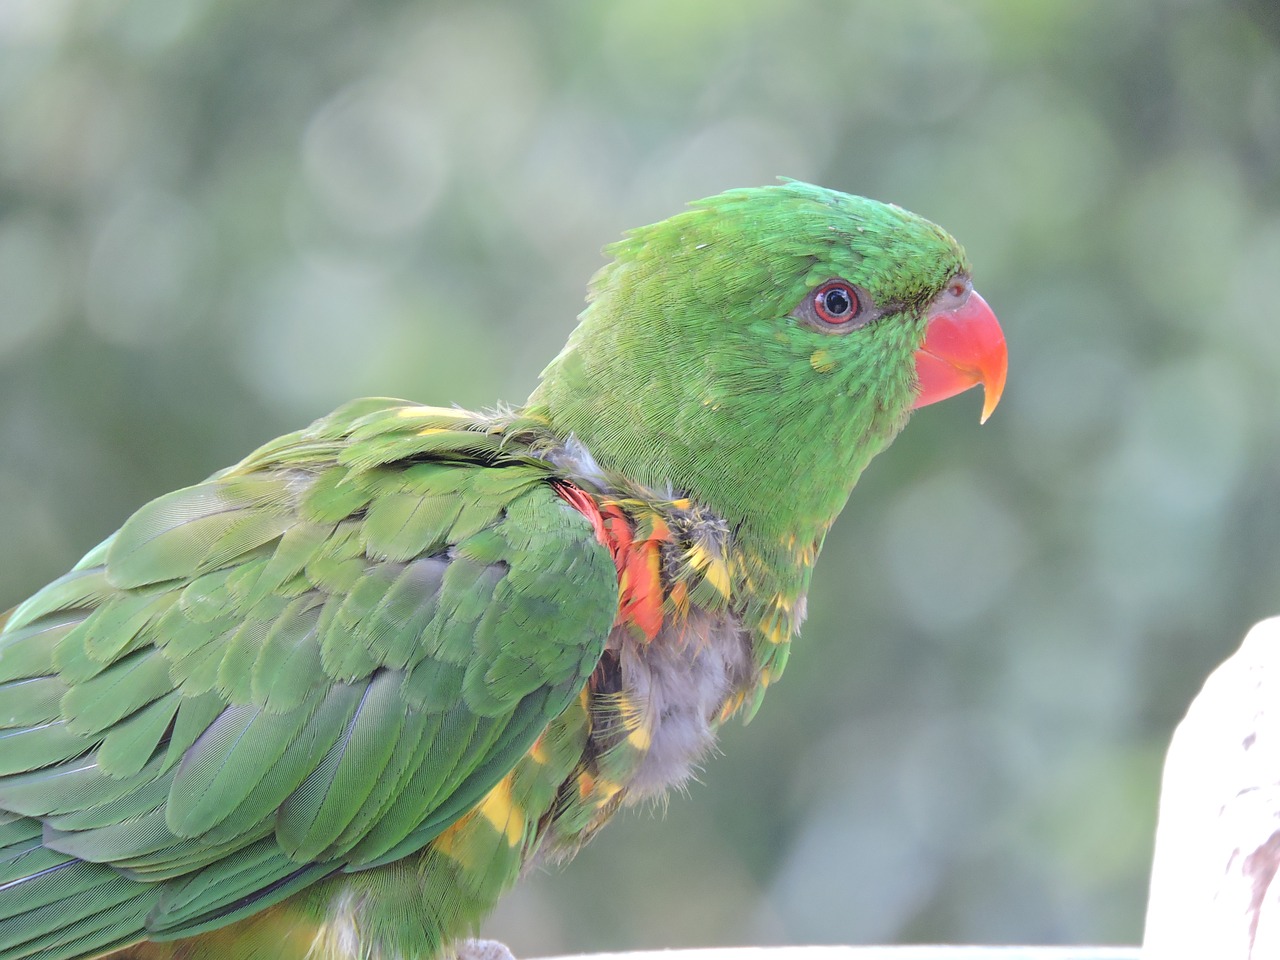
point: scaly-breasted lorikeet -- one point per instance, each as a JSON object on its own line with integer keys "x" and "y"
{"x": 329, "y": 701}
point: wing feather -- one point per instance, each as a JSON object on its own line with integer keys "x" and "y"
{"x": 314, "y": 661}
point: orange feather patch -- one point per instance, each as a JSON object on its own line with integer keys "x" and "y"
{"x": 639, "y": 561}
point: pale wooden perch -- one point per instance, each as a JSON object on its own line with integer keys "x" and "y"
{"x": 876, "y": 953}
{"x": 1214, "y": 894}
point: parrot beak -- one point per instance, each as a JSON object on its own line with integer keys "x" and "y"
{"x": 963, "y": 347}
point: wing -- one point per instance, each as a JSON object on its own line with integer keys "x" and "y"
{"x": 316, "y": 660}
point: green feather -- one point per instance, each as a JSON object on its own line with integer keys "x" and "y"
{"x": 128, "y": 746}
{"x": 107, "y": 698}
{"x": 81, "y": 589}
{"x": 70, "y": 786}
{"x": 28, "y": 651}
{"x": 334, "y": 495}
{"x": 138, "y": 795}
{"x": 315, "y": 681}
{"x": 240, "y": 750}
{"x": 399, "y": 619}
{"x": 33, "y": 702}
{"x": 198, "y": 529}
{"x": 335, "y": 790}
{"x": 739, "y": 409}
{"x": 286, "y": 666}
{"x": 31, "y": 747}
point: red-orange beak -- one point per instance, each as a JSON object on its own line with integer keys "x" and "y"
{"x": 963, "y": 347}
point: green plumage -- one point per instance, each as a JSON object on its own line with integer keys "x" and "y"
{"x": 250, "y": 674}
{"x": 327, "y": 702}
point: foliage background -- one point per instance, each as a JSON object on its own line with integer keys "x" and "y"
{"x": 221, "y": 218}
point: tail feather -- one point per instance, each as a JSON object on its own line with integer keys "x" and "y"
{"x": 92, "y": 935}
{"x": 56, "y": 906}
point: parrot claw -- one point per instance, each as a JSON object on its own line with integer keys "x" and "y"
{"x": 475, "y": 949}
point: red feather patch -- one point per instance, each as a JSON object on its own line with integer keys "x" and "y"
{"x": 639, "y": 561}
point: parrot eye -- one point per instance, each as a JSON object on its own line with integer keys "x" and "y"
{"x": 835, "y": 306}
{"x": 835, "y": 301}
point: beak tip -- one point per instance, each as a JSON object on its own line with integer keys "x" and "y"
{"x": 992, "y": 392}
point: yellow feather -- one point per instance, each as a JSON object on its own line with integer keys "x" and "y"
{"x": 503, "y": 812}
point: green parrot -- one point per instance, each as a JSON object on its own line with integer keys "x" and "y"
{"x": 330, "y": 701}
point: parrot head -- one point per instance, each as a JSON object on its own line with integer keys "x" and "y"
{"x": 758, "y": 349}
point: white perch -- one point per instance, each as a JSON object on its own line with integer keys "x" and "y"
{"x": 1214, "y": 894}
{"x": 875, "y": 953}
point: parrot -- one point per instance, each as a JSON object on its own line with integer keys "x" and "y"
{"x": 331, "y": 702}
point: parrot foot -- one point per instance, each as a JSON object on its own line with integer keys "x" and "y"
{"x": 474, "y": 949}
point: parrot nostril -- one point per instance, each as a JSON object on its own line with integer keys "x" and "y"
{"x": 959, "y": 288}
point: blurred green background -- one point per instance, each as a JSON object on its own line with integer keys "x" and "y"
{"x": 221, "y": 218}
